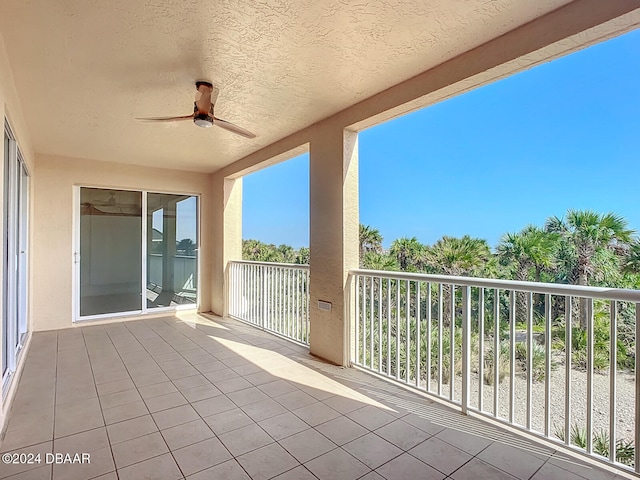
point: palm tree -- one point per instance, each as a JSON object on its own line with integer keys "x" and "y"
{"x": 303, "y": 255}
{"x": 370, "y": 241}
{"x": 457, "y": 256}
{"x": 409, "y": 253}
{"x": 588, "y": 232}
{"x": 378, "y": 261}
{"x": 531, "y": 248}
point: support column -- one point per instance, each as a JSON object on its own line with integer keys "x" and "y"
{"x": 334, "y": 229}
{"x": 227, "y": 236}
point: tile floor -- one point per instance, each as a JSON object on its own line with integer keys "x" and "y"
{"x": 198, "y": 398}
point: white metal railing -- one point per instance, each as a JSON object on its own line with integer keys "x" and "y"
{"x": 272, "y": 296}
{"x": 541, "y": 357}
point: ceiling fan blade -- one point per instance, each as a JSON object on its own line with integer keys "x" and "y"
{"x": 166, "y": 119}
{"x": 233, "y": 128}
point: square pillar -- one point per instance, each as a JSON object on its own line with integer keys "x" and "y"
{"x": 226, "y": 234}
{"x": 334, "y": 229}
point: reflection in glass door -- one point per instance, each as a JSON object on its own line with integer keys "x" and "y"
{"x": 110, "y": 251}
{"x": 172, "y": 257}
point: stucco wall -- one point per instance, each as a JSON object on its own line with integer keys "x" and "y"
{"x": 53, "y": 226}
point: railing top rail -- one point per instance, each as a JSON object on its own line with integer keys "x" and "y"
{"x": 272, "y": 264}
{"x": 618, "y": 294}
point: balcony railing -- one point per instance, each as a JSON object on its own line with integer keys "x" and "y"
{"x": 540, "y": 357}
{"x": 271, "y": 296}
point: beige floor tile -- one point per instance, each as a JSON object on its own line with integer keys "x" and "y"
{"x": 406, "y": 467}
{"x": 156, "y": 390}
{"x": 69, "y": 424}
{"x": 149, "y": 379}
{"x": 294, "y": 400}
{"x": 114, "y": 387}
{"x": 261, "y": 378}
{"x": 307, "y": 445}
{"x": 267, "y": 462}
{"x": 160, "y": 467}
{"x": 341, "y": 430}
{"x": 282, "y": 426}
{"x": 124, "y": 412}
{"x": 516, "y": 461}
{"x": 574, "y": 465}
{"x": 228, "y": 421}
{"x": 232, "y": 384}
{"x": 119, "y": 398}
{"x": 211, "y": 366}
{"x": 265, "y": 409}
{"x": 175, "y": 416}
{"x": 164, "y": 402}
{"x": 277, "y": 387}
{"x": 423, "y": 424}
{"x": 553, "y": 472}
{"x": 201, "y": 392}
{"x": 247, "y": 396}
{"x": 139, "y": 449}
{"x": 298, "y": 473}
{"x": 342, "y": 404}
{"x": 372, "y": 450}
{"x": 475, "y": 469}
{"x": 402, "y": 435}
{"x": 214, "y": 405}
{"x": 377, "y": 476}
{"x": 88, "y": 441}
{"x": 136, "y": 427}
{"x": 16, "y": 466}
{"x": 229, "y": 470}
{"x": 467, "y": 442}
{"x": 440, "y": 455}
{"x": 187, "y": 434}
{"x": 316, "y": 413}
{"x": 100, "y": 462}
{"x": 32, "y": 434}
{"x": 201, "y": 455}
{"x": 191, "y": 382}
{"x": 107, "y": 377}
{"x": 41, "y": 473}
{"x": 337, "y": 465}
{"x": 245, "y": 439}
{"x": 371, "y": 417}
{"x": 181, "y": 372}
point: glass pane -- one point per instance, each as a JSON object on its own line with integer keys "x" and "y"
{"x": 172, "y": 248}
{"x": 110, "y": 251}
{"x": 23, "y": 245}
{"x": 5, "y": 259}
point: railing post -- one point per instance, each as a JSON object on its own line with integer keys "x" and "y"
{"x": 466, "y": 347}
{"x": 265, "y": 300}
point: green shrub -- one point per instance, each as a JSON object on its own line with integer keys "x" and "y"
{"x": 625, "y": 450}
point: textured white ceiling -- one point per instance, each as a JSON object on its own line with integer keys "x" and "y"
{"x": 85, "y": 68}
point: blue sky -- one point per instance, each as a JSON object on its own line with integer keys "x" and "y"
{"x": 565, "y": 134}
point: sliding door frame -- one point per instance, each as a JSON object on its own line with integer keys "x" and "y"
{"x": 144, "y": 310}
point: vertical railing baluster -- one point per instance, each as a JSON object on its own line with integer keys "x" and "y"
{"x": 636, "y": 457}
{"x": 428, "y": 342}
{"x": 380, "y": 280}
{"x": 418, "y": 339}
{"x": 466, "y": 347}
{"x": 547, "y": 365}
{"x": 567, "y": 374}
{"x": 398, "y": 302}
{"x": 496, "y": 351}
{"x": 440, "y": 333}
{"x": 590, "y": 375}
{"x": 512, "y": 355}
{"x": 371, "y": 329}
{"x": 613, "y": 371}
{"x": 480, "y": 349}
{"x": 357, "y": 320}
{"x": 364, "y": 321}
{"x": 388, "y": 326}
{"x": 529, "y": 357}
{"x": 452, "y": 342}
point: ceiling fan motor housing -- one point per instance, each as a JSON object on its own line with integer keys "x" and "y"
{"x": 203, "y": 120}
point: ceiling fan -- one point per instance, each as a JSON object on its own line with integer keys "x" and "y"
{"x": 202, "y": 115}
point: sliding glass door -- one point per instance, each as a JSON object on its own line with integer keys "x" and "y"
{"x": 15, "y": 256}
{"x": 127, "y": 262}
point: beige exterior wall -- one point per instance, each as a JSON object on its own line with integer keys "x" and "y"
{"x": 11, "y": 110}
{"x": 53, "y": 221}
